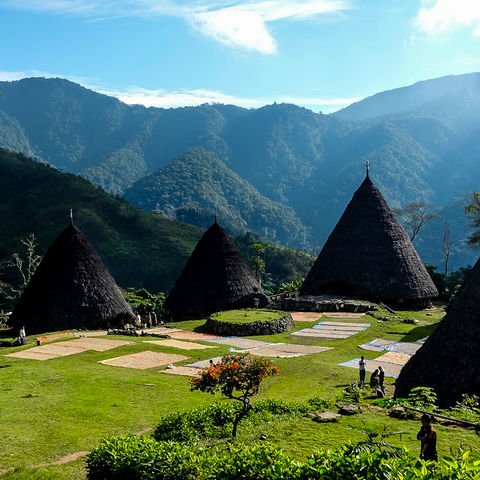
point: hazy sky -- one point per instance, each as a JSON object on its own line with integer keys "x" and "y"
{"x": 322, "y": 54}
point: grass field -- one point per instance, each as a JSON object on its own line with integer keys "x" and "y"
{"x": 248, "y": 315}
{"x": 54, "y": 408}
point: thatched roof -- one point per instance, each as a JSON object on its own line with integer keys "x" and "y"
{"x": 449, "y": 360}
{"x": 369, "y": 254}
{"x": 71, "y": 288}
{"x": 216, "y": 277}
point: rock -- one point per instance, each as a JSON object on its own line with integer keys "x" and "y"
{"x": 263, "y": 436}
{"x": 350, "y": 409}
{"x": 411, "y": 321}
{"x": 325, "y": 417}
{"x": 429, "y": 314}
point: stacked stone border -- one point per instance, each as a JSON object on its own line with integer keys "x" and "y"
{"x": 267, "y": 327}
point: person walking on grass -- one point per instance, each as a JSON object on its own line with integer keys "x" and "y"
{"x": 361, "y": 367}
{"x": 428, "y": 439}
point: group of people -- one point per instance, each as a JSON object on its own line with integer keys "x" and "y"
{"x": 426, "y": 435}
{"x": 152, "y": 320}
{"x": 377, "y": 378}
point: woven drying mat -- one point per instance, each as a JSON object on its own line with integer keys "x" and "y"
{"x": 31, "y": 355}
{"x": 163, "y": 330}
{"x": 355, "y": 326}
{"x": 315, "y": 333}
{"x": 240, "y": 342}
{"x": 404, "y": 347}
{"x": 144, "y": 360}
{"x": 185, "y": 335}
{"x": 377, "y": 345}
{"x": 97, "y": 344}
{"x": 269, "y": 352}
{"x": 93, "y": 333}
{"x": 59, "y": 350}
{"x": 343, "y": 314}
{"x": 56, "y": 336}
{"x": 185, "y": 371}
{"x": 306, "y": 316}
{"x": 296, "y": 348}
{"x": 204, "y": 363}
{"x": 391, "y": 369}
{"x": 341, "y": 329}
{"x": 179, "y": 344}
{"x": 394, "y": 357}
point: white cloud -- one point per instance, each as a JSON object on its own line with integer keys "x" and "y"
{"x": 441, "y": 15}
{"x": 185, "y": 98}
{"x": 240, "y": 23}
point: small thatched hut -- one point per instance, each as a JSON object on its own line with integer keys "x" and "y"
{"x": 369, "y": 254}
{"x": 216, "y": 277}
{"x": 449, "y": 360}
{"x": 71, "y": 288}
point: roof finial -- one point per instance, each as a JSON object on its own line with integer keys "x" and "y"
{"x": 71, "y": 217}
{"x": 367, "y": 164}
{"x": 215, "y": 221}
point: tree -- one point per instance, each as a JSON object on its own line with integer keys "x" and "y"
{"x": 257, "y": 261}
{"x": 237, "y": 377}
{"x": 415, "y": 216}
{"x": 446, "y": 245}
{"x": 473, "y": 212}
{"x": 24, "y": 265}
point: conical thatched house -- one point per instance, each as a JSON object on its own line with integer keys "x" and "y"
{"x": 71, "y": 288}
{"x": 449, "y": 360}
{"x": 216, "y": 277}
{"x": 369, "y": 254}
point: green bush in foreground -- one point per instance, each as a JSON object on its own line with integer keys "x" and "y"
{"x": 142, "y": 458}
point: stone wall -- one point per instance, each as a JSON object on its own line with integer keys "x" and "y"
{"x": 325, "y": 303}
{"x": 270, "y": 327}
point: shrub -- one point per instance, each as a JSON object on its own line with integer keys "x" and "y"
{"x": 422, "y": 397}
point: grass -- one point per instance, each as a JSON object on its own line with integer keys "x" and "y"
{"x": 54, "y": 408}
{"x": 248, "y": 315}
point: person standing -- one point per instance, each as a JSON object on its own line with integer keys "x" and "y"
{"x": 381, "y": 378}
{"x": 22, "y": 338}
{"x": 361, "y": 367}
{"x": 428, "y": 439}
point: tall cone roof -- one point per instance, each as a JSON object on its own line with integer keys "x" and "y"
{"x": 369, "y": 254}
{"x": 216, "y": 277}
{"x": 71, "y": 288}
{"x": 449, "y": 360}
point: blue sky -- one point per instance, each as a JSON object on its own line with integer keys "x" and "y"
{"x": 322, "y": 54}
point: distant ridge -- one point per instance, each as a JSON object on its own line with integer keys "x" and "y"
{"x": 403, "y": 99}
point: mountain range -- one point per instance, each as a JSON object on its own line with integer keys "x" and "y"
{"x": 281, "y": 171}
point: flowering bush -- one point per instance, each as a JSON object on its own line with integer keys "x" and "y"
{"x": 237, "y": 377}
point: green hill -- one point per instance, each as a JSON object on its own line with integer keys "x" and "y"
{"x": 197, "y": 185}
{"x": 139, "y": 249}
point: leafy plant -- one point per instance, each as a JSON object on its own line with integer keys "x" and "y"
{"x": 422, "y": 397}
{"x": 353, "y": 393}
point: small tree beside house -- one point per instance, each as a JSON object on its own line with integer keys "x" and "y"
{"x": 237, "y": 377}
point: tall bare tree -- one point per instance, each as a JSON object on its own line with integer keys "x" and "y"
{"x": 415, "y": 216}
{"x": 446, "y": 245}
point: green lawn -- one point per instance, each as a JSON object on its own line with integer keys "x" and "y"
{"x": 53, "y": 408}
{"x": 248, "y": 315}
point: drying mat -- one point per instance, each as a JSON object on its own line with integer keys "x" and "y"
{"x": 56, "y": 336}
{"x": 31, "y": 355}
{"x": 185, "y": 371}
{"x": 179, "y": 344}
{"x": 404, "y": 347}
{"x": 240, "y": 342}
{"x": 97, "y": 344}
{"x": 162, "y": 330}
{"x": 185, "y": 335}
{"x": 58, "y": 349}
{"x": 422, "y": 340}
{"x": 391, "y": 370}
{"x": 349, "y": 325}
{"x": 305, "y": 316}
{"x": 144, "y": 360}
{"x": 315, "y": 333}
{"x": 343, "y": 315}
{"x": 287, "y": 350}
{"x": 377, "y": 345}
{"x": 394, "y": 357}
{"x": 93, "y": 333}
{"x": 204, "y": 363}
